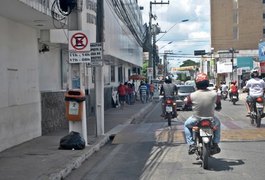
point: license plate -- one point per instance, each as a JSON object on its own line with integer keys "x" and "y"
{"x": 234, "y": 97}
{"x": 259, "y": 105}
{"x": 169, "y": 109}
{"x": 206, "y": 132}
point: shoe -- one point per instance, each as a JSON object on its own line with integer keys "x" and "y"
{"x": 162, "y": 115}
{"x": 192, "y": 149}
{"x": 215, "y": 149}
{"x": 248, "y": 115}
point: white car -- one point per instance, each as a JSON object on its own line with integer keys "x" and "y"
{"x": 211, "y": 86}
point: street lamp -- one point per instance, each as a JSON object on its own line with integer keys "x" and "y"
{"x": 184, "y": 20}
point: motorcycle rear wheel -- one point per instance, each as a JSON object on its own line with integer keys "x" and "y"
{"x": 258, "y": 119}
{"x": 169, "y": 117}
{"x": 205, "y": 155}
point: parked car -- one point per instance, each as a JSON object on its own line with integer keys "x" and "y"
{"x": 183, "y": 92}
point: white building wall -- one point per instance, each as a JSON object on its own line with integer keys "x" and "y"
{"x": 20, "y": 118}
{"x": 119, "y": 42}
{"x": 50, "y": 69}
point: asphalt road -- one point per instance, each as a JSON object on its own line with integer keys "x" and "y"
{"x": 148, "y": 149}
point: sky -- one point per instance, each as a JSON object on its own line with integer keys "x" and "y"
{"x": 181, "y": 38}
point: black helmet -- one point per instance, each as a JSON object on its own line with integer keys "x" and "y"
{"x": 168, "y": 80}
{"x": 202, "y": 81}
{"x": 254, "y": 73}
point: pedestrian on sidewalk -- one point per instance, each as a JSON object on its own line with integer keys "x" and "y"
{"x": 152, "y": 89}
{"x": 122, "y": 94}
{"x": 143, "y": 92}
{"x": 147, "y": 91}
{"x": 130, "y": 93}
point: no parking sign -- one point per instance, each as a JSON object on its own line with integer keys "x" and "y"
{"x": 79, "y": 47}
{"x": 78, "y": 41}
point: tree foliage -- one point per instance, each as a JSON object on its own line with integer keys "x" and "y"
{"x": 189, "y": 63}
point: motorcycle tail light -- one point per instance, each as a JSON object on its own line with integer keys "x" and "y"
{"x": 205, "y": 123}
{"x": 259, "y": 99}
{"x": 169, "y": 101}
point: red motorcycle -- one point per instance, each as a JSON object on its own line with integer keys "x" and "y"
{"x": 256, "y": 111}
{"x": 234, "y": 98}
{"x": 169, "y": 105}
{"x": 203, "y": 134}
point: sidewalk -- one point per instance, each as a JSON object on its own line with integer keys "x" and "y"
{"x": 40, "y": 158}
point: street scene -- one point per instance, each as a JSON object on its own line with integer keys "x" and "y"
{"x": 149, "y": 149}
{"x": 129, "y": 89}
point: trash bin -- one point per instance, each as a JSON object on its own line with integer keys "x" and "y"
{"x": 74, "y": 104}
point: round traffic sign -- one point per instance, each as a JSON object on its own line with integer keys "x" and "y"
{"x": 79, "y": 41}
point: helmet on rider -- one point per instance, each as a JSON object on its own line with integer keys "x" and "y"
{"x": 202, "y": 81}
{"x": 234, "y": 82}
{"x": 168, "y": 80}
{"x": 254, "y": 73}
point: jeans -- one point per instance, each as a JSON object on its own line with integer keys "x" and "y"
{"x": 191, "y": 121}
{"x": 143, "y": 98}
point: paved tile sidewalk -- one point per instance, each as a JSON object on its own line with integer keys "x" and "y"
{"x": 40, "y": 158}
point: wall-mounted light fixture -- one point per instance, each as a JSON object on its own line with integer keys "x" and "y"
{"x": 44, "y": 48}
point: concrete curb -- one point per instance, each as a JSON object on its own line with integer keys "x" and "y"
{"x": 91, "y": 149}
{"x": 79, "y": 160}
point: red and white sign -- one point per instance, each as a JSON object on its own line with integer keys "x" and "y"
{"x": 79, "y": 47}
{"x": 78, "y": 41}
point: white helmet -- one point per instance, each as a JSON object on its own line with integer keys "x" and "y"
{"x": 254, "y": 73}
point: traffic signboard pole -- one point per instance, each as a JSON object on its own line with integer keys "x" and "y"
{"x": 78, "y": 55}
{"x": 99, "y": 77}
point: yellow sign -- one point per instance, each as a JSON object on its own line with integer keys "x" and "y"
{"x": 187, "y": 68}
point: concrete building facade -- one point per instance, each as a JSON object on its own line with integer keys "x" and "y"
{"x": 237, "y": 26}
{"x": 35, "y": 72}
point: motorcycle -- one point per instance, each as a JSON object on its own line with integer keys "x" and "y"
{"x": 203, "y": 133}
{"x": 234, "y": 98}
{"x": 256, "y": 111}
{"x": 224, "y": 95}
{"x": 170, "y": 109}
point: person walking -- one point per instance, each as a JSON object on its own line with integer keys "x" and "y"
{"x": 143, "y": 92}
{"x": 152, "y": 90}
{"x": 130, "y": 93}
{"x": 122, "y": 94}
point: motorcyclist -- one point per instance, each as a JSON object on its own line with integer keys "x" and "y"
{"x": 255, "y": 87}
{"x": 168, "y": 90}
{"x": 203, "y": 101}
{"x": 224, "y": 88}
{"x": 233, "y": 89}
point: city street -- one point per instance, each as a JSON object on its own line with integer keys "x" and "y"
{"x": 148, "y": 149}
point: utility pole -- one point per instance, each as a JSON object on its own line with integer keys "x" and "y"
{"x": 232, "y": 50}
{"x": 165, "y": 65}
{"x": 152, "y": 50}
{"x": 99, "y": 77}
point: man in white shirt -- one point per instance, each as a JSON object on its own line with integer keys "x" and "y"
{"x": 256, "y": 87}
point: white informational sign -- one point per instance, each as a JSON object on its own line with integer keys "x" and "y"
{"x": 96, "y": 51}
{"x": 239, "y": 71}
{"x": 79, "y": 57}
{"x": 150, "y": 71}
{"x": 224, "y": 66}
{"x": 96, "y": 54}
{"x": 79, "y": 47}
{"x": 73, "y": 108}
